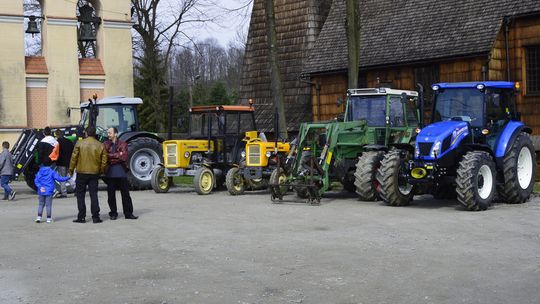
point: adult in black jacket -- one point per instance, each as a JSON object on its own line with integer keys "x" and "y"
{"x": 64, "y": 157}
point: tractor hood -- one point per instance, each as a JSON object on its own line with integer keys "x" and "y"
{"x": 438, "y": 138}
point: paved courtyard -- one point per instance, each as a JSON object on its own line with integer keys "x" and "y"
{"x": 187, "y": 248}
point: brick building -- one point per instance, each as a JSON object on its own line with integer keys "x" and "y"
{"x": 37, "y": 88}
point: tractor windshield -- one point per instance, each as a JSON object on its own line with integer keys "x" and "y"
{"x": 123, "y": 117}
{"x": 370, "y": 108}
{"x": 465, "y": 104}
{"x": 204, "y": 124}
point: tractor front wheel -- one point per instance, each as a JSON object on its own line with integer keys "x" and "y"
{"x": 476, "y": 180}
{"x": 519, "y": 168}
{"x": 160, "y": 182}
{"x": 204, "y": 181}
{"x": 365, "y": 180}
{"x": 277, "y": 178}
{"x": 235, "y": 181}
{"x": 395, "y": 190}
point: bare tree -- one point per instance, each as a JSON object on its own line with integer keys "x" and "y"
{"x": 159, "y": 30}
{"x": 353, "y": 41}
{"x": 276, "y": 83}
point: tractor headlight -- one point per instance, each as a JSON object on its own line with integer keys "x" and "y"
{"x": 435, "y": 151}
{"x": 480, "y": 87}
{"x": 186, "y": 154}
{"x": 243, "y": 154}
{"x": 416, "y": 151}
{"x": 268, "y": 153}
{"x": 435, "y": 87}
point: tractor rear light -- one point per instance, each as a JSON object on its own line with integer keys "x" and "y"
{"x": 186, "y": 154}
{"x": 485, "y": 131}
{"x": 517, "y": 85}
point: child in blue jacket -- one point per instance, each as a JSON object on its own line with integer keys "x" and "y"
{"x": 45, "y": 183}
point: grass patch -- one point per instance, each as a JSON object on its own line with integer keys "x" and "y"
{"x": 183, "y": 180}
{"x": 536, "y": 187}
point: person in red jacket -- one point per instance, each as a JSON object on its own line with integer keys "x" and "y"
{"x": 116, "y": 175}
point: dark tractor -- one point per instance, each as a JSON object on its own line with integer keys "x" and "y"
{"x": 475, "y": 148}
{"x": 144, "y": 148}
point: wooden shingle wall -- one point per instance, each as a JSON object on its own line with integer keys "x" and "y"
{"x": 298, "y": 22}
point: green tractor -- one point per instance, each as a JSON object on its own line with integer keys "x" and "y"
{"x": 348, "y": 151}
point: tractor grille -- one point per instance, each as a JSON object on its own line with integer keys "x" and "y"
{"x": 254, "y": 157}
{"x": 425, "y": 148}
{"x": 171, "y": 155}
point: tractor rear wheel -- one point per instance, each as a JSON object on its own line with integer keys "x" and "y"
{"x": 144, "y": 155}
{"x": 395, "y": 190}
{"x": 160, "y": 182}
{"x": 204, "y": 181}
{"x": 476, "y": 179}
{"x": 235, "y": 181}
{"x": 519, "y": 168}
{"x": 365, "y": 180}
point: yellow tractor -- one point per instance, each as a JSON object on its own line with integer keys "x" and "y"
{"x": 214, "y": 146}
{"x": 258, "y": 161}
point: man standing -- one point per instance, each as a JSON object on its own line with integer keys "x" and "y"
{"x": 62, "y": 163}
{"x": 89, "y": 158}
{"x": 6, "y": 171}
{"x": 117, "y": 152}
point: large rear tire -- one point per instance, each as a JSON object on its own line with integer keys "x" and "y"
{"x": 365, "y": 177}
{"x": 235, "y": 181}
{"x": 395, "y": 191}
{"x": 519, "y": 168}
{"x": 204, "y": 181}
{"x": 476, "y": 179}
{"x": 160, "y": 183}
{"x": 144, "y": 155}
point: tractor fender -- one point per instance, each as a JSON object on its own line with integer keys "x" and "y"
{"x": 375, "y": 148}
{"x": 402, "y": 146}
{"x": 508, "y": 135}
{"x": 128, "y": 136}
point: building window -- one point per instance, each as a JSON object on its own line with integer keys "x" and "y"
{"x": 533, "y": 69}
{"x": 88, "y": 25}
{"x": 32, "y": 28}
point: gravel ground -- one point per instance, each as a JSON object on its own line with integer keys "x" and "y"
{"x": 186, "y": 248}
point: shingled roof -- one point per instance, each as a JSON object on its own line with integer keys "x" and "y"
{"x": 408, "y": 31}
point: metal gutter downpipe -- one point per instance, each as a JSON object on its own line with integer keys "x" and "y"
{"x": 507, "y": 21}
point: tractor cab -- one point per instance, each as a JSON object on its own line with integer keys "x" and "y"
{"x": 119, "y": 112}
{"x": 223, "y": 127}
{"x": 388, "y": 112}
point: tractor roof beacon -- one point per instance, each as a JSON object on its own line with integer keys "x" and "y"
{"x": 475, "y": 147}
{"x": 121, "y": 112}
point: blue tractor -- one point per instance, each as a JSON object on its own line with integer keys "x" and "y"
{"x": 476, "y": 148}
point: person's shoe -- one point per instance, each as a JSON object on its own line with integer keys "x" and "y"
{"x": 56, "y": 194}
{"x": 49, "y": 220}
{"x": 12, "y": 195}
{"x": 131, "y": 217}
{"x": 38, "y": 219}
{"x": 79, "y": 220}
{"x": 113, "y": 217}
{"x": 96, "y": 221}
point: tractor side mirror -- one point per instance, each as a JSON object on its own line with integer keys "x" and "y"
{"x": 403, "y": 97}
{"x": 339, "y": 102}
{"x": 340, "y": 117}
{"x": 68, "y": 112}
